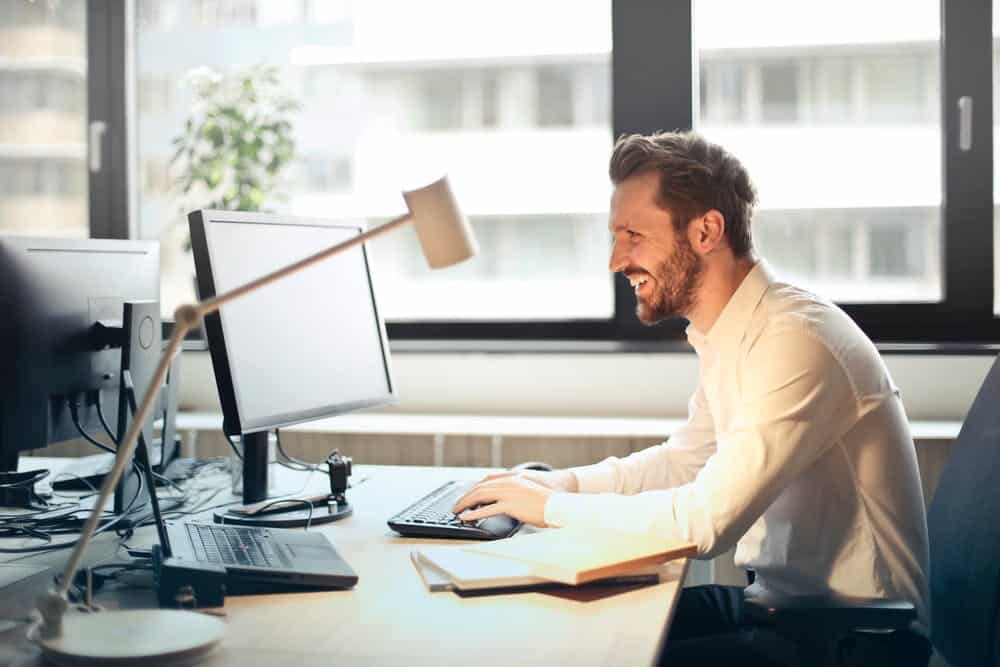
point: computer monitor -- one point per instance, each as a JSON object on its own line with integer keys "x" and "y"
{"x": 54, "y": 295}
{"x": 310, "y": 346}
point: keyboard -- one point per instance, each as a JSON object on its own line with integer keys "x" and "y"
{"x": 234, "y": 545}
{"x": 431, "y": 517}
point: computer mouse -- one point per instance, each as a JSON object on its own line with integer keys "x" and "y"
{"x": 532, "y": 465}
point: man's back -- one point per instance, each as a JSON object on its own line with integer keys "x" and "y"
{"x": 853, "y": 521}
{"x": 796, "y": 450}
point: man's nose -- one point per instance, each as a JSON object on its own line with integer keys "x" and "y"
{"x": 619, "y": 258}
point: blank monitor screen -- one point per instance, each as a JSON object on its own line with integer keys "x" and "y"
{"x": 308, "y": 346}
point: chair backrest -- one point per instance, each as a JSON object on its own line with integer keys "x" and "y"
{"x": 964, "y": 531}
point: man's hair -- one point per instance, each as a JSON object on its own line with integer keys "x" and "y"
{"x": 696, "y": 176}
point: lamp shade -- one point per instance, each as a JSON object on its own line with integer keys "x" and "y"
{"x": 444, "y": 233}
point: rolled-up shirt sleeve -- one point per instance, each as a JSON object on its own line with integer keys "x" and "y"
{"x": 794, "y": 396}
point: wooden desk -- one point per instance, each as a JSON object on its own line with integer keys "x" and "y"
{"x": 390, "y": 618}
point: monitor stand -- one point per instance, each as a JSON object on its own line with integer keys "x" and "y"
{"x": 255, "y": 490}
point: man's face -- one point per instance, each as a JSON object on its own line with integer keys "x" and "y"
{"x": 659, "y": 263}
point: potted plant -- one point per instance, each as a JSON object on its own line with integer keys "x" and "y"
{"x": 235, "y": 146}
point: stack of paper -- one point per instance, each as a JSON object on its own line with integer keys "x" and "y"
{"x": 564, "y": 555}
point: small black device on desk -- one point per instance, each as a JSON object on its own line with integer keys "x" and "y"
{"x": 431, "y": 516}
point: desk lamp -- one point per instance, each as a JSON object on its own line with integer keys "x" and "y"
{"x": 161, "y": 636}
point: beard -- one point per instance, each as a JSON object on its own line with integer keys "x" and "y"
{"x": 675, "y": 287}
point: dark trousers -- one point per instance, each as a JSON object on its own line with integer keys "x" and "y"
{"x": 710, "y": 628}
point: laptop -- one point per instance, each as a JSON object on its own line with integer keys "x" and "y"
{"x": 240, "y": 559}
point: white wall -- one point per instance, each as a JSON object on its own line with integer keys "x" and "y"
{"x": 654, "y": 385}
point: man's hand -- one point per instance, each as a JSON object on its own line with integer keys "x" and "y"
{"x": 522, "y": 495}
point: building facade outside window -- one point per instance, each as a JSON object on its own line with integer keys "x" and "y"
{"x": 523, "y": 128}
{"x": 839, "y": 125}
{"x": 43, "y": 118}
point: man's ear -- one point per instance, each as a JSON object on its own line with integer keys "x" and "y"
{"x": 707, "y": 232}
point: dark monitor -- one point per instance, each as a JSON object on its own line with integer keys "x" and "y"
{"x": 54, "y": 294}
{"x": 309, "y": 346}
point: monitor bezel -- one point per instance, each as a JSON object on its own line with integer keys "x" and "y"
{"x": 201, "y": 223}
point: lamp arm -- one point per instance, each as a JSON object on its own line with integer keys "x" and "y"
{"x": 53, "y": 604}
{"x": 213, "y": 304}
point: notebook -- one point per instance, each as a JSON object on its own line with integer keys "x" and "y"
{"x": 579, "y": 555}
{"x": 455, "y": 569}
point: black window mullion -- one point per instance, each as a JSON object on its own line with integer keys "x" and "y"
{"x": 106, "y": 103}
{"x": 967, "y": 71}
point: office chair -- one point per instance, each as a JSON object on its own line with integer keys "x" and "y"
{"x": 964, "y": 531}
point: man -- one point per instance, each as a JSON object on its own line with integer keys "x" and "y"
{"x": 796, "y": 448}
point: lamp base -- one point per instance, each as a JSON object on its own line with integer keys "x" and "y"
{"x": 169, "y": 637}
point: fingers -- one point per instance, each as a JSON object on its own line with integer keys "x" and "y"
{"x": 483, "y": 512}
{"x": 485, "y": 492}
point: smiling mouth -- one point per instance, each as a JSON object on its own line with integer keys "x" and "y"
{"x": 637, "y": 282}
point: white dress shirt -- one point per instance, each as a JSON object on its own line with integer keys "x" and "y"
{"x": 796, "y": 449}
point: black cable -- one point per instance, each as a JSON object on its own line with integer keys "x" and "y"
{"x": 72, "y": 543}
{"x": 107, "y": 429}
{"x": 50, "y": 525}
{"x": 104, "y": 422}
{"x": 293, "y": 463}
{"x": 75, "y": 415}
{"x": 290, "y": 461}
{"x": 169, "y": 482}
{"x": 200, "y": 510}
{"x": 103, "y": 419}
{"x": 14, "y": 480}
{"x": 26, "y": 515}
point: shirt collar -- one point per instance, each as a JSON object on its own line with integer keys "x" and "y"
{"x": 734, "y": 318}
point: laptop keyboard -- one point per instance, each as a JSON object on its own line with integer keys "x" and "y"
{"x": 234, "y": 545}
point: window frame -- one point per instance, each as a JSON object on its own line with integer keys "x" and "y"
{"x": 653, "y": 58}
{"x": 108, "y": 58}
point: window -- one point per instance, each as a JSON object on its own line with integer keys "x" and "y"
{"x": 779, "y": 99}
{"x": 555, "y": 96}
{"x": 155, "y": 95}
{"x": 441, "y": 100}
{"x": 43, "y": 118}
{"x": 224, "y": 13}
{"x": 722, "y": 91}
{"x": 898, "y": 87}
{"x": 325, "y": 174}
{"x": 835, "y": 129}
{"x": 845, "y": 113}
{"x": 521, "y": 126}
{"x": 833, "y": 100}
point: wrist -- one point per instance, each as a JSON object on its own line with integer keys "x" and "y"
{"x": 568, "y": 481}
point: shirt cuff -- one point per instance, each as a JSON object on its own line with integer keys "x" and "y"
{"x": 566, "y": 509}
{"x": 597, "y": 478}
